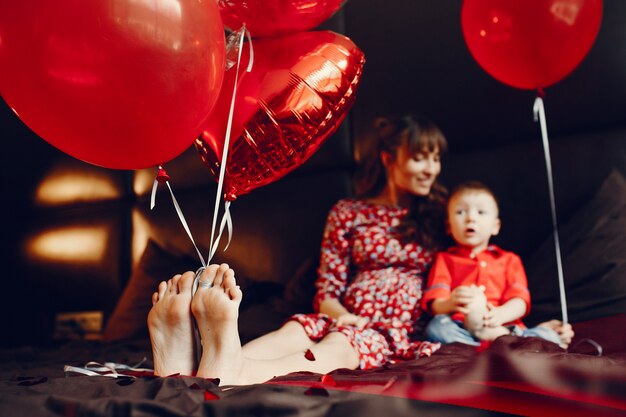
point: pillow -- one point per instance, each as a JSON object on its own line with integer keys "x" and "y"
{"x": 128, "y": 320}
{"x": 593, "y": 251}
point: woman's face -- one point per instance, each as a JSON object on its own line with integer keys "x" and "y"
{"x": 414, "y": 173}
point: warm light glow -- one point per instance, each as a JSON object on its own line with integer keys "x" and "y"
{"x": 495, "y": 19}
{"x": 144, "y": 178}
{"x": 141, "y": 228}
{"x": 69, "y": 244}
{"x": 483, "y": 33}
{"x": 68, "y": 186}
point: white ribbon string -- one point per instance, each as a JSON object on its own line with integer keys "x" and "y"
{"x": 226, "y": 221}
{"x": 179, "y": 212}
{"x": 109, "y": 369}
{"x": 220, "y": 184}
{"x": 540, "y": 115}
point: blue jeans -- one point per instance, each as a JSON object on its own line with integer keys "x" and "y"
{"x": 445, "y": 330}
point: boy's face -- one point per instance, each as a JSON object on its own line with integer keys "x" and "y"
{"x": 473, "y": 219}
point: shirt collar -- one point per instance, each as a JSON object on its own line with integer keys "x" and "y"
{"x": 493, "y": 250}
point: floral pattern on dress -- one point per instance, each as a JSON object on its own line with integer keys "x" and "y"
{"x": 374, "y": 275}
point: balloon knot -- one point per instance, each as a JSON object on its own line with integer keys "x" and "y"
{"x": 162, "y": 176}
{"x": 541, "y": 93}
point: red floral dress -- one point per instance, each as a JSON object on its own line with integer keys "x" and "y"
{"x": 374, "y": 275}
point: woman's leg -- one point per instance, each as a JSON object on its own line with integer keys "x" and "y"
{"x": 290, "y": 338}
{"x": 333, "y": 352}
{"x": 216, "y": 308}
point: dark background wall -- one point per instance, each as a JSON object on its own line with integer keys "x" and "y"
{"x": 417, "y": 61}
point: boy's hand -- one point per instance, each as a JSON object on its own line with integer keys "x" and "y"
{"x": 349, "y": 319}
{"x": 493, "y": 317}
{"x": 460, "y": 297}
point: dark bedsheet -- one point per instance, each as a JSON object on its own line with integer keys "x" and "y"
{"x": 512, "y": 376}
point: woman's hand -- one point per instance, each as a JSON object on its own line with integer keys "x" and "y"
{"x": 349, "y": 319}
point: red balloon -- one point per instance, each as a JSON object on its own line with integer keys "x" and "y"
{"x": 530, "y": 44}
{"x": 121, "y": 84}
{"x": 299, "y": 91}
{"x": 276, "y": 17}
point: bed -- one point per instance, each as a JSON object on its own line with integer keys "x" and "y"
{"x": 511, "y": 376}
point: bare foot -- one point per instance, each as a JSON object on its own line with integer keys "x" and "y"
{"x": 216, "y": 309}
{"x": 171, "y": 326}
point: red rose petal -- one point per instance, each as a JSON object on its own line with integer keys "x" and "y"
{"x": 309, "y": 355}
{"x": 328, "y": 380}
{"x": 209, "y": 396}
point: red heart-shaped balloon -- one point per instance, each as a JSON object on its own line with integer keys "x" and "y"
{"x": 299, "y": 91}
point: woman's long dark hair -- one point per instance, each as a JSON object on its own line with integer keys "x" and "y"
{"x": 425, "y": 220}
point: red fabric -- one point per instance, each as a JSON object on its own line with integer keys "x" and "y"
{"x": 500, "y": 271}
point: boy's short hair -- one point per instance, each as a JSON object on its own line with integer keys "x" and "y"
{"x": 473, "y": 186}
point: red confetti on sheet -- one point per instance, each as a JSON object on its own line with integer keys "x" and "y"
{"x": 484, "y": 345}
{"x": 209, "y": 396}
{"x": 309, "y": 355}
{"x": 328, "y": 380}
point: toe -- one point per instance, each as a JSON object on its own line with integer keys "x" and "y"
{"x": 208, "y": 275}
{"x": 161, "y": 290}
{"x": 219, "y": 276}
{"x": 186, "y": 282}
{"x": 155, "y": 298}
{"x": 170, "y": 288}
{"x": 229, "y": 279}
{"x": 174, "y": 283}
{"x": 235, "y": 293}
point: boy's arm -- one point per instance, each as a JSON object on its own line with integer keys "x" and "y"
{"x": 516, "y": 285}
{"x": 510, "y": 311}
{"x": 438, "y": 287}
{"x": 457, "y": 302}
{"x": 442, "y": 306}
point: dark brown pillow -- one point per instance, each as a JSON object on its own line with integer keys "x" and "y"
{"x": 128, "y": 320}
{"x": 593, "y": 251}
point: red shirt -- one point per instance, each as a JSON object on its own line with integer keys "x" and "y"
{"x": 500, "y": 271}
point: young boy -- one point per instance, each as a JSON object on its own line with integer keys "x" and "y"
{"x": 477, "y": 291}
